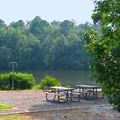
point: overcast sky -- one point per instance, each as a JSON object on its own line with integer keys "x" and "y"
{"x": 59, "y": 10}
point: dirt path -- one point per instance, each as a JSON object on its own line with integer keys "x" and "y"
{"x": 73, "y": 114}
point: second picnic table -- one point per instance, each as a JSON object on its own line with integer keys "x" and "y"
{"x": 88, "y": 89}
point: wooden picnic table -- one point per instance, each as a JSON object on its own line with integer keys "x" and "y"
{"x": 60, "y": 89}
{"x": 89, "y": 89}
{"x": 63, "y": 93}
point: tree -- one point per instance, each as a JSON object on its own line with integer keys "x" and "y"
{"x": 19, "y": 24}
{"x": 2, "y": 24}
{"x": 104, "y": 46}
{"x": 66, "y": 27}
{"x": 39, "y": 27}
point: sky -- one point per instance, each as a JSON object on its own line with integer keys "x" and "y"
{"x": 49, "y": 10}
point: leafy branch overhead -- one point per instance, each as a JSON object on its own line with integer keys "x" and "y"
{"x": 104, "y": 47}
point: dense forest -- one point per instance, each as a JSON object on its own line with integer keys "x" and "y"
{"x": 38, "y": 44}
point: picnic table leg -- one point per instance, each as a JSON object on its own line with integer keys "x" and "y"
{"x": 96, "y": 93}
{"x": 71, "y": 95}
{"x": 79, "y": 90}
{"x": 93, "y": 93}
{"x": 86, "y": 95}
{"x": 50, "y": 99}
{"x": 67, "y": 96}
{"x": 58, "y": 96}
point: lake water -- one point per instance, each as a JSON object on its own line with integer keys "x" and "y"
{"x": 66, "y": 77}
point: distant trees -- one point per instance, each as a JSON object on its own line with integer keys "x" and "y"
{"x": 42, "y": 45}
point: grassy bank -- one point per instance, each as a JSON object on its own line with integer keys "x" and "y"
{"x": 3, "y": 106}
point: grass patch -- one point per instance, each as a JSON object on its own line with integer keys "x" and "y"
{"x": 3, "y": 106}
{"x": 10, "y": 117}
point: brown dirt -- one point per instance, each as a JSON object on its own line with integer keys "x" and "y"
{"x": 72, "y": 114}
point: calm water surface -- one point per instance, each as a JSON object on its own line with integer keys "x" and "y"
{"x": 67, "y": 77}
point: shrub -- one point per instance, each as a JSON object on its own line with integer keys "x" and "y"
{"x": 49, "y": 81}
{"x": 36, "y": 87}
{"x": 68, "y": 86}
{"x": 21, "y": 81}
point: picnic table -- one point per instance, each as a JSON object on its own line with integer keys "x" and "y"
{"x": 87, "y": 90}
{"x": 62, "y": 93}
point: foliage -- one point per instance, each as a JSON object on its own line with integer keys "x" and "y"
{"x": 21, "y": 81}
{"x": 36, "y": 87}
{"x": 68, "y": 86}
{"x": 49, "y": 81}
{"x": 104, "y": 46}
{"x": 42, "y": 45}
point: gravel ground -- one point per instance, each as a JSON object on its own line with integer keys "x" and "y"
{"x": 73, "y": 114}
{"x": 34, "y": 101}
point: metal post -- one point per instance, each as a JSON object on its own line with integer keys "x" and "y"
{"x": 13, "y": 64}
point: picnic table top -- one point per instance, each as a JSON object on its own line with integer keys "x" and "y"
{"x": 89, "y": 86}
{"x": 61, "y": 88}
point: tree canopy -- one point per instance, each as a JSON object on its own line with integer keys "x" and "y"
{"x": 39, "y": 44}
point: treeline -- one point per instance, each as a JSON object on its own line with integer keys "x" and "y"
{"x": 38, "y": 44}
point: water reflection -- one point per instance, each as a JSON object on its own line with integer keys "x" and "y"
{"x": 71, "y": 77}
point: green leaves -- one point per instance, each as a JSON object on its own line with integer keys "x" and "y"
{"x": 105, "y": 48}
{"x": 38, "y": 44}
{"x": 21, "y": 81}
{"x": 49, "y": 81}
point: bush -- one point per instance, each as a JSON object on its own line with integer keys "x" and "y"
{"x": 21, "y": 81}
{"x": 68, "y": 86}
{"x": 49, "y": 81}
{"x": 36, "y": 87}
